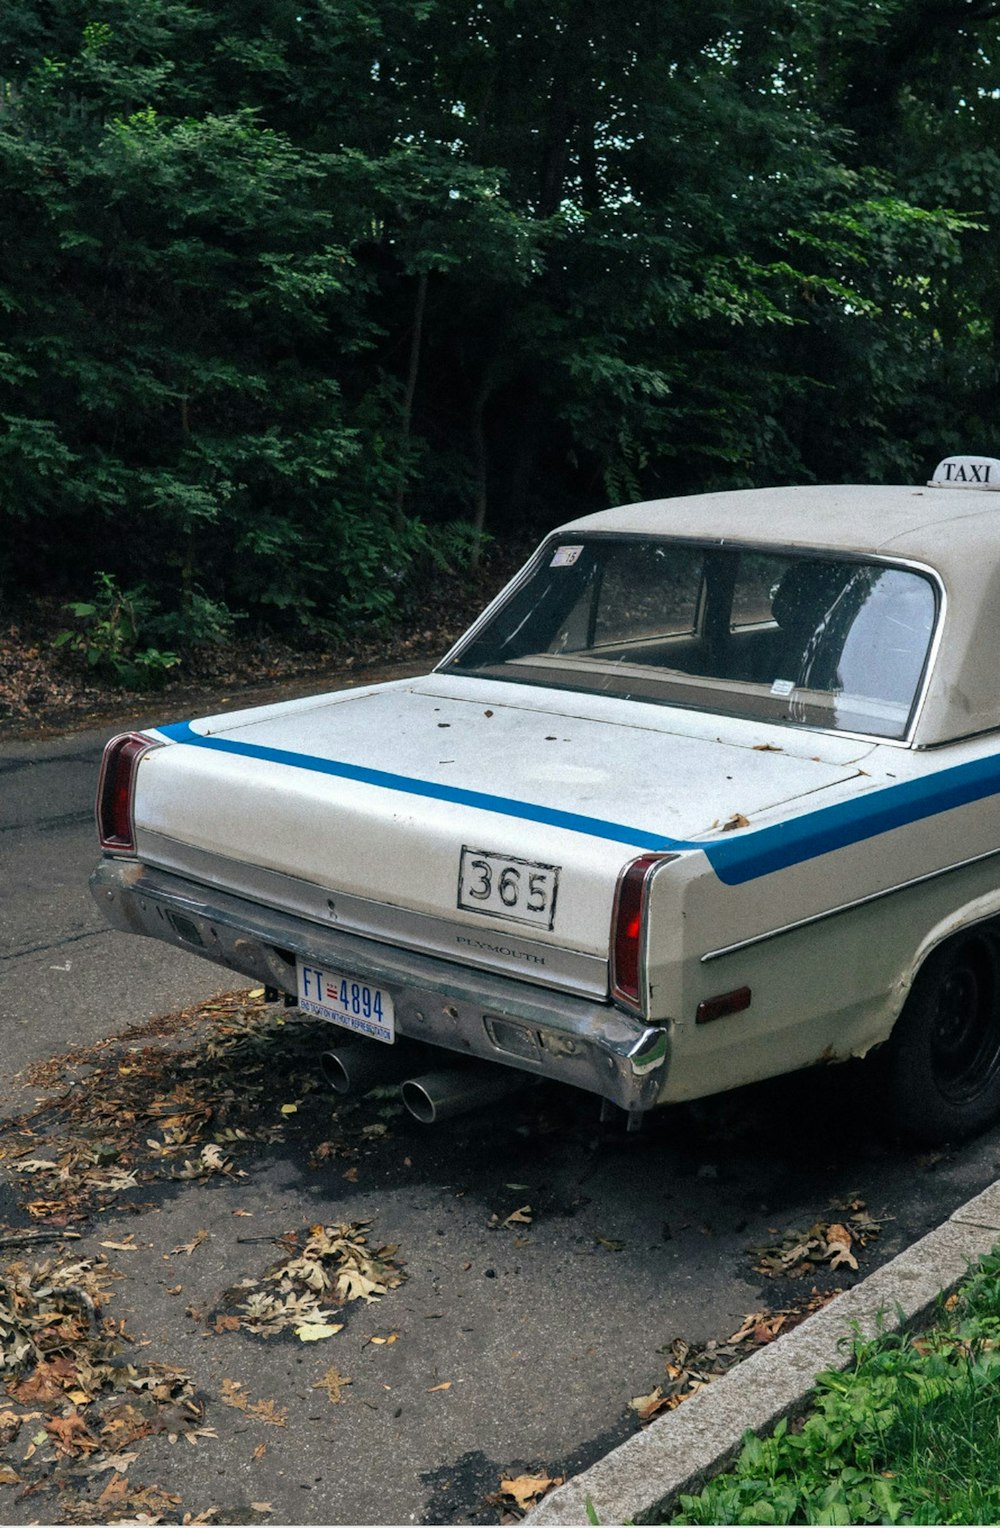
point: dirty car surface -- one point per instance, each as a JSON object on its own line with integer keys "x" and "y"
{"x": 709, "y": 793}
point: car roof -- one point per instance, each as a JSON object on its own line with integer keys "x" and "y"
{"x": 907, "y": 522}
{"x": 955, "y": 531}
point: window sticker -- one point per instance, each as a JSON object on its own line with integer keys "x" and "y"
{"x": 783, "y": 687}
{"x": 565, "y": 556}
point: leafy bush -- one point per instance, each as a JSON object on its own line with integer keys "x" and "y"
{"x": 111, "y": 632}
{"x": 199, "y": 622}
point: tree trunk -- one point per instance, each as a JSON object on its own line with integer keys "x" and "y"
{"x": 480, "y": 459}
{"x": 412, "y": 372}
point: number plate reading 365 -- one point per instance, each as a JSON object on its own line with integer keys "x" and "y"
{"x": 521, "y": 891}
{"x": 344, "y": 1000}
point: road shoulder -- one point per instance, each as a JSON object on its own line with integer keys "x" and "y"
{"x": 641, "y": 1480}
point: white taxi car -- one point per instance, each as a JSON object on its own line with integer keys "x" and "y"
{"x": 709, "y": 793}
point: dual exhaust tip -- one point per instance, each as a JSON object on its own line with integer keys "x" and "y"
{"x": 430, "y": 1097}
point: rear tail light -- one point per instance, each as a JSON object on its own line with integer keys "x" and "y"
{"x": 116, "y": 790}
{"x": 628, "y": 929}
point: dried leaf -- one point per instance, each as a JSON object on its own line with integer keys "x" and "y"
{"x": 39, "y": 1388}
{"x": 358, "y": 1284}
{"x": 188, "y": 1247}
{"x": 766, "y": 1330}
{"x": 521, "y": 1217}
{"x": 736, "y": 821}
{"x": 445, "y": 1385}
{"x": 117, "y": 1462}
{"x": 647, "y": 1406}
{"x": 231, "y": 1394}
{"x": 71, "y": 1434}
{"x": 333, "y": 1383}
{"x": 838, "y": 1247}
{"x": 269, "y": 1412}
{"x": 315, "y": 1331}
{"x": 115, "y": 1492}
{"x": 525, "y": 1490}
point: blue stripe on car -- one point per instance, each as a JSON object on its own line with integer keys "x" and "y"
{"x": 595, "y": 827}
{"x": 737, "y": 858}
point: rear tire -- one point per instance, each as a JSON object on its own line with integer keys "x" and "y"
{"x": 941, "y": 1065}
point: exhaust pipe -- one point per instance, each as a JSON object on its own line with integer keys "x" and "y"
{"x": 354, "y": 1068}
{"x": 441, "y": 1095}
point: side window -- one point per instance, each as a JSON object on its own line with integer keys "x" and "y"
{"x": 648, "y": 591}
{"x": 755, "y": 583}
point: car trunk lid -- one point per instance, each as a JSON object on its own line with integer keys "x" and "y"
{"x": 365, "y": 800}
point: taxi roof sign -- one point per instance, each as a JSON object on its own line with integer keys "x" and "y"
{"x": 966, "y": 472}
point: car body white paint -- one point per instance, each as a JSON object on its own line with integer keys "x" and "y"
{"x": 814, "y": 867}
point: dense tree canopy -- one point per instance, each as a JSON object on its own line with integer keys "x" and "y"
{"x": 290, "y": 292}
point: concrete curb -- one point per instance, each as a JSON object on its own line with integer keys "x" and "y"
{"x": 641, "y": 1480}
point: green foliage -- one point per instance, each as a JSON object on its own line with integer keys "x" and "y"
{"x": 910, "y": 1434}
{"x": 112, "y": 628}
{"x": 297, "y": 287}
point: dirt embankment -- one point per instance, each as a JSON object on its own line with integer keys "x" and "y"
{"x": 45, "y": 689}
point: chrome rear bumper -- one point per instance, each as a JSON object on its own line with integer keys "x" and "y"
{"x": 588, "y": 1044}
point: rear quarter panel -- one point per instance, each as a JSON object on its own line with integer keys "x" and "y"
{"x": 825, "y": 914}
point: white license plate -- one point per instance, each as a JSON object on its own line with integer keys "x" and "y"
{"x": 522, "y": 891}
{"x": 347, "y": 1001}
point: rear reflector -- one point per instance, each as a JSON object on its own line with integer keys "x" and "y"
{"x": 628, "y": 929}
{"x": 726, "y": 1002}
{"x": 116, "y": 788}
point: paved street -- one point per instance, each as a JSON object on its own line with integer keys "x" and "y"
{"x": 64, "y": 975}
{"x": 518, "y": 1344}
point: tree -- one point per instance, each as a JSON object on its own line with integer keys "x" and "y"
{"x": 297, "y": 286}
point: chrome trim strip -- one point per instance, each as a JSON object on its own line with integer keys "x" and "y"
{"x": 846, "y": 907}
{"x": 474, "y": 944}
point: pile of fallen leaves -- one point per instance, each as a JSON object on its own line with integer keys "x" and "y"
{"x": 829, "y": 1243}
{"x": 221, "y": 1080}
{"x": 141, "y": 1114}
{"x": 324, "y": 1269}
{"x": 826, "y": 1244}
{"x": 690, "y": 1369}
{"x": 77, "y": 1406}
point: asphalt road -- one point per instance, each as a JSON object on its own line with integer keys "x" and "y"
{"x": 519, "y": 1345}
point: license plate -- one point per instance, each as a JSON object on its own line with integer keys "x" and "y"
{"x": 522, "y": 891}
{"x": 347, "y": 1001}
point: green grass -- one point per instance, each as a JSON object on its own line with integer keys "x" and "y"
{"x": 910, "y": 1434}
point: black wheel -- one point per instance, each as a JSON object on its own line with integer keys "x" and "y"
{"x": 942, "y": 1061}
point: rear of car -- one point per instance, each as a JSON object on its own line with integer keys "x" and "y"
{"x": 525, "y": 856}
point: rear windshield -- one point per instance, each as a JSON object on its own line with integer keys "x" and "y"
{"x": 812, "y": 641}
